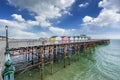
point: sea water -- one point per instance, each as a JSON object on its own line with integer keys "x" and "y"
{"x": 106, "y": 64}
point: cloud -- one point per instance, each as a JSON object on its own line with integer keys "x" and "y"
{"x": 108, "y": 20}
{"x": 105, "y": 36}
{"x": 83, "y": 5}
{"x": 20, "y": 23}
{"x": 12, "y": 24}
{"x": 18, "y": 30}
{"x": 110, "y": 4}
{"x": 44, "y": 34}
{"x": 17, "y": 17}
{"x": 43, "y": 21}
{"x": 61, "y": 31}
{"x": 108, "y": 16}
{"x": 28, "y": 35}
{"x": 21, "y": 34}
{"x": 18, "y": 27}
{"x": 87, "y": 19}
{"x": 56, "y": 30}
{"x": 45, "y": 9}
{"x": 32, "y": 23}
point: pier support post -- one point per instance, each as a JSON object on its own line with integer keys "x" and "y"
{"x": 59, "y": 54}
{"x": 65, "y": 48}
{"x": 38, "y": 52}
{"x": 42, "y": 64}
{"x": 32, "y": 57}
{"x": 69, "y": 55}
{"x": 78, "y": 52}
{"x": 84, "y": 50}
{"x": 51, "y": 59}
{"x": 56, "y": 53}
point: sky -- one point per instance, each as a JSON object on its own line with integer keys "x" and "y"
{"x": 32, "y": 19}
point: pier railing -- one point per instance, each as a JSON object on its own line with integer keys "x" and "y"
{"x": 26, "y": 43}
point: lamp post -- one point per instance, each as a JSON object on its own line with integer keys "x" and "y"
{"x": 8, "y": 73}
{"x": 7, "y": 53}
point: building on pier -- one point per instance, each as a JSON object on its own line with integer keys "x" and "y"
{"x": 71, "y": 39}
{"x": 58, "y": 40}
{"x": 53, "y": 39}
{"x": 64, "y": 39}
{"x": 84, "y": 37}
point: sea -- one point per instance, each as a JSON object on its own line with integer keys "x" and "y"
{"x": 105, "y": 64}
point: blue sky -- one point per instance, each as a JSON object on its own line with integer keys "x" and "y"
{"x": 46, "y": 18}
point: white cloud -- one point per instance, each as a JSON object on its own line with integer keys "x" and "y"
{"x": 12, "y": 24}
{"x": 43, "y": 21}
{"x": 20, "y": 23}
{"x": 84, "y": 4}
{"x": 107, "y": 20}
{"x": 44, "y": 34}
{"x": 32, "y": 23}
{"x": 17, "y": 17}
{"x": 56, "y": 30}
{"x": 45, "y": 9}
{"x": 108, "y": 16}
{"x": 87, "y": 19}
{"x": 20, "y": 34}
{"x": 105, "y": 36}
{"x": 17, "y": 29}
{"x": 18, "y": 26}
{"x": 61, "y": 31}
{"x": 110, "y": 4}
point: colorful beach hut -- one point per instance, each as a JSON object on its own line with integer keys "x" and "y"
{"x": 47, "y": 40}
{"x": 65, "y": 39}
{"x": 83, "y": 37}
{"x": 76, "y": 38}
{"x": 53, "y": 39}
{"x": 71, "y": 39}
{"x": 58, "y": 40}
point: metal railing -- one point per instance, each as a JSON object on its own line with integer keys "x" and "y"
{"x": 26, "y": 43}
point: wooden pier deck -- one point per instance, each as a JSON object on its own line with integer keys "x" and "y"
{"x": 27, "y": 56}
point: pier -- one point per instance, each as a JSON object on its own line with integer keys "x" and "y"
{"x": 29, "y": 54}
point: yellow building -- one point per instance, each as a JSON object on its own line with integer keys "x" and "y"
{"x": 53, "y": 39}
